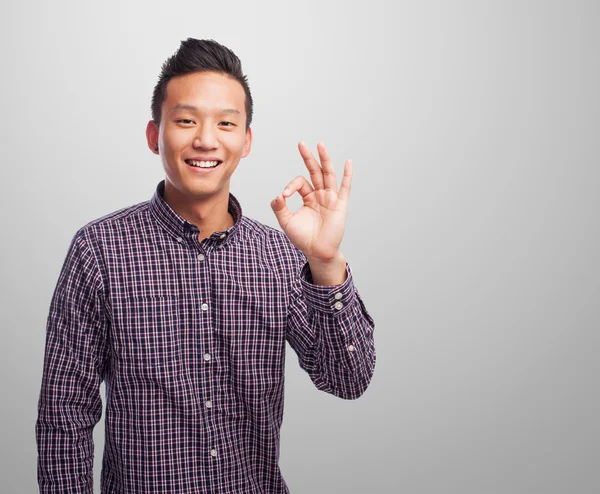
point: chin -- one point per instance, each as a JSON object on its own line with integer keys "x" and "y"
{"x": 202, "y": 193}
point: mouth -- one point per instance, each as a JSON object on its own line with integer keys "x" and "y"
{"x": 203, "y": 164}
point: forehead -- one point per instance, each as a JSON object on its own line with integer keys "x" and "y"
{"x": 205, "y": 90}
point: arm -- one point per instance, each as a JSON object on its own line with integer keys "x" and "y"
{"x": 332, "y": 333}
{"x": 69, "y": 404}
{"x": 328, "y": 325}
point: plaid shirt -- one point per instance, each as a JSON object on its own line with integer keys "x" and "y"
{"x": 190, "y": 339}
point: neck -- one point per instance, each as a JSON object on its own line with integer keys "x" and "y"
{"x": 209, "y": 215}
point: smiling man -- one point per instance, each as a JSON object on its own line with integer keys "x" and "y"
{"x": 183, "y": 306}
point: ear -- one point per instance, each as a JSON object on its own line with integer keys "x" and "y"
{"x": 152, "y": 136}
{"x": 248, "y": 143}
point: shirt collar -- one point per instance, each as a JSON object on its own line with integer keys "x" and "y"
{"x": 177, "y": 226}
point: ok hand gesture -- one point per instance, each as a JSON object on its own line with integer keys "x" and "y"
{"x": 317, "y": 228}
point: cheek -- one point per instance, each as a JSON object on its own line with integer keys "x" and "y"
{"x": 174, "y": 142}
{"x": 235, "y": 143}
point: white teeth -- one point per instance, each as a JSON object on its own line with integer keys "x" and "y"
{"x": 203, "y": 164}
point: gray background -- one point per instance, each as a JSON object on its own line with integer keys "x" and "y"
{"x": 473, "y": 229}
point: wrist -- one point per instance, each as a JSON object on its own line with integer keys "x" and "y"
{"x": 330, "y": 272}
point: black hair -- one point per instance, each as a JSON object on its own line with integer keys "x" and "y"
{"x": 200, "y": 55}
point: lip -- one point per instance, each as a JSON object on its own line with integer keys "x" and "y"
{"x": 203, "y": 158}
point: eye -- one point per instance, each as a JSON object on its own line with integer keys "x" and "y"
{"x": 227, "y": 124}
{"x": 186, "y": 121}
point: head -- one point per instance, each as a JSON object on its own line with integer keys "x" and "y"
{"x": 201, "y": 111}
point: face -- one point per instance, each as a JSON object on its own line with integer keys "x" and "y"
{"x": 203, "y": 123}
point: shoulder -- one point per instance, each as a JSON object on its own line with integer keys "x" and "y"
{"x": 255, "y": 228}
{"x": 272, "y": 236}
{"x": 119, "y": 216}
{"x": 114, "y": 232}
{"x": 273, "y": 243}
{"x": 120, "y": 220}
{"x": 84, "y": 256}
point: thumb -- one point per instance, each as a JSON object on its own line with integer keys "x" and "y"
{"x": 281, "y": 210}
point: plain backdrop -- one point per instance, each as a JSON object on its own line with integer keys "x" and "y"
{"x": 473, "y": 229}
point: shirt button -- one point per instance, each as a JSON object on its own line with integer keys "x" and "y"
{"x": 207, "y": 356}
{"x": 201, "y": 257}
{"x": 351, "y": 348}
{"x": 213, "y": 452}
{"x": 204, "y": 306}
{"x": 338, "y": 305}
{"x": 179, "y": 239}
{"x": 338, "y": 296}
{"x": 208, "y": 404}
{"x": 222, "y": 236}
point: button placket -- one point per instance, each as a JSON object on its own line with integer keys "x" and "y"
{"x": 204, "y": 340}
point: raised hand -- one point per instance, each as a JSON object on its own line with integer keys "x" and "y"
{"x": 317, "y": 228}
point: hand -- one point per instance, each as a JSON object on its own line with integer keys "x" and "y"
{"x": 317, "y": 228}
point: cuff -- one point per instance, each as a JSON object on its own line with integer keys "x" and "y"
{"x": 329, "y": 299}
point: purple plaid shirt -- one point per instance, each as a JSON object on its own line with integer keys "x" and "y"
{"x": 189, "y": 338}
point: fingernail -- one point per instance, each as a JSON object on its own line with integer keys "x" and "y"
{"x": 286, "y": 191}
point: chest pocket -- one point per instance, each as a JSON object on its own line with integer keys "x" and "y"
{"x": 147, "y": 330}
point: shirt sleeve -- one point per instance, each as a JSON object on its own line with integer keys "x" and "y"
{"x": 75, "y": 355}
{"x": 331, "y": 331}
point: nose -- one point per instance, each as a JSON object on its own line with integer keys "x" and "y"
{"x": 206, "y": 137}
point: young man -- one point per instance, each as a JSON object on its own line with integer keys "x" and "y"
{"x": 182, "y": 305}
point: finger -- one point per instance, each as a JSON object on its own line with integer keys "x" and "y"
{"x": 329, "y": 179}
{"x": 316, "y": 174}
{"x": 282, "y": 213}
{"x": 299, "y": 184}
{"x": 346, "y": 182}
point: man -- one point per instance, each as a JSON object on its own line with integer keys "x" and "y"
{"x": 182, "y": 305}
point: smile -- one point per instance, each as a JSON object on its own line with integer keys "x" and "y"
{"x": 203, "y": 164}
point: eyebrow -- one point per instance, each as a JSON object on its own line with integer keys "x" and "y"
{"x": 182, "y": 106}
